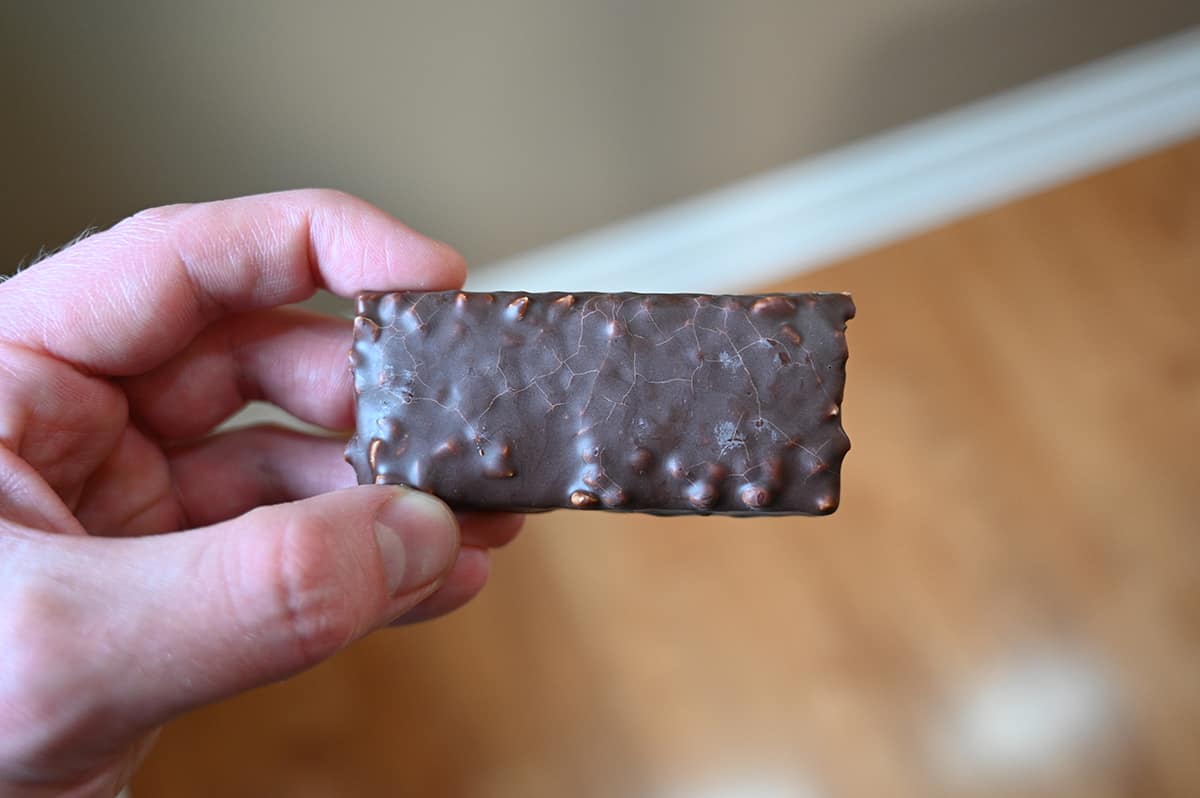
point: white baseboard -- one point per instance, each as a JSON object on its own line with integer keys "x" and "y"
{"x": 811, "y": 213}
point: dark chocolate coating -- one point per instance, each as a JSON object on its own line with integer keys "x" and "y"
{"x": 664, "y": 403}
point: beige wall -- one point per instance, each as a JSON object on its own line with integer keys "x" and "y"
{"x": 496, "y": 126}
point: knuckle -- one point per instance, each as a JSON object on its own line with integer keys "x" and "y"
{"x": 333, "y": 196}
{"x": 312, "y": 604}
{"x": 147, "y": 225}
{"x": 323, "y": 200}
{"x": 157, "y": 216}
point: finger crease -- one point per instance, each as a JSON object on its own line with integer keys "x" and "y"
{"x": 207, "y": 305}
{"x": 310, "y": 252}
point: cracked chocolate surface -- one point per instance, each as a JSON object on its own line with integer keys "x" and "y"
{"x": 665, "y": 403}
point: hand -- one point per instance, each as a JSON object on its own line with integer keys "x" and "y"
{"x": 118, "y": 357}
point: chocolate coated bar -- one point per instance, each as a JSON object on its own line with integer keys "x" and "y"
{"x": 665, "y": 403}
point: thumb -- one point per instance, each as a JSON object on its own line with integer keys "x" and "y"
{"x": 283, "y": 587}
{"x": 186, "y": 618}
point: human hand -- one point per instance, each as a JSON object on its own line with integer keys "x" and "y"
{"x": 118, "y": 357}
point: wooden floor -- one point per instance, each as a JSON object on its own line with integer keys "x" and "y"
{"x": 1006, "y": 604}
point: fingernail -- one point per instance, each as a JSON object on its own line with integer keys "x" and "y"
{"x": 418, "y": 540}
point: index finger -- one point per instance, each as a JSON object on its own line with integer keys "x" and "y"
{"x": 124, "y": 300}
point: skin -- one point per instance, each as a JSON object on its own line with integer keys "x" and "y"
{"x": 148, "y": 566}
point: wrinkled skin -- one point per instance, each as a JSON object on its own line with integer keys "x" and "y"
{"x": 118, "y": 358}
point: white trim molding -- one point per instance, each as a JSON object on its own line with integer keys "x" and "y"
{"x": 884, "y": 188}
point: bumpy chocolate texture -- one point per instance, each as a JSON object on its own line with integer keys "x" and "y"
{"x": 665, "y": 404}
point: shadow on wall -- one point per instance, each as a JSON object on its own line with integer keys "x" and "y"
{"x": 497, "y": 129}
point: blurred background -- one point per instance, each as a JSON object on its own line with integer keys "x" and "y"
{"x": 495, "y": 126}
{"x": 1007, "y": 602}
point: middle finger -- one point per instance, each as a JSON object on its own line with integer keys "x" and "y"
{"x": 228, "y": 474}
{"x": 290, "y": 357}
